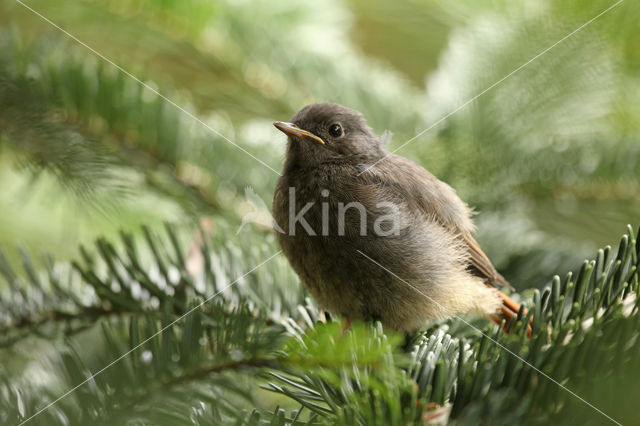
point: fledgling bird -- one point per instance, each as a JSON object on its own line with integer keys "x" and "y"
{"x": 344, "y": 203}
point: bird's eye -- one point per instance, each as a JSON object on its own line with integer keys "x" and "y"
{"x": 335, "y": 130}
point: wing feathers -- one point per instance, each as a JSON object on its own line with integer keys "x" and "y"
{"x": 480, "y": 264}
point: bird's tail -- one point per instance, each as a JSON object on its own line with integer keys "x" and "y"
{"x": 509, "y": 309}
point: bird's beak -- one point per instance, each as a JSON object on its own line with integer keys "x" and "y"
{"x": 291, "y": 129}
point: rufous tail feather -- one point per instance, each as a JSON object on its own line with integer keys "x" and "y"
{"x": 508, "y": 310}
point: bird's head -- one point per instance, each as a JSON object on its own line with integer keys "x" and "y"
{"x": 326, "y": 131}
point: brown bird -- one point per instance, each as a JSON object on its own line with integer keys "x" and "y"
{"x": 373, "y": 235}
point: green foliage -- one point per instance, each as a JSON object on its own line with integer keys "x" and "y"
{"x": 549, "y": 156}
{"x": 160, "y": 340}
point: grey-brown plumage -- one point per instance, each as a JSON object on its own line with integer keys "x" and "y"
{"x": 415, "y": 226}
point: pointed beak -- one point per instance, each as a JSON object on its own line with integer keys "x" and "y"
{"x": 291, "y": 129}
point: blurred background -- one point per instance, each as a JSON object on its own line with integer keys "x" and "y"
{"x": 549, "y": 157}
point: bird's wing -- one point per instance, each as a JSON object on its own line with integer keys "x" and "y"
{"x": 480, "y": 264}
{"x": 437, "y": 199}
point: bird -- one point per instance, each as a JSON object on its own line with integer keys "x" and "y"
{"x": 373, "y": 235}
